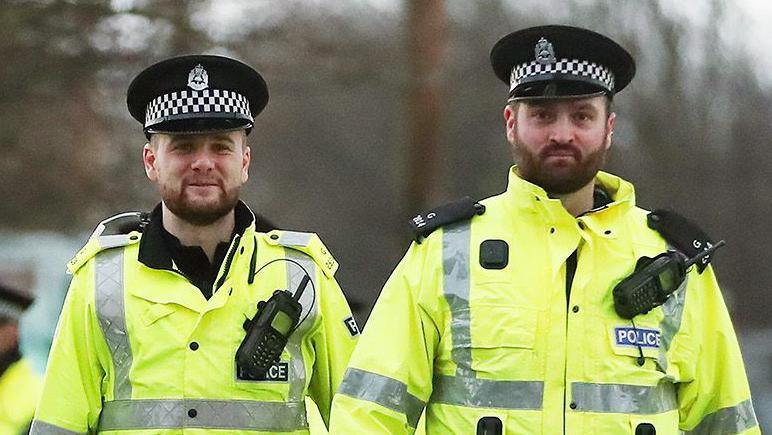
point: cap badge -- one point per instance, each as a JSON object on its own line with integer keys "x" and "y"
{"x": 545, "y": 53}
{"x": 198, "y": 79}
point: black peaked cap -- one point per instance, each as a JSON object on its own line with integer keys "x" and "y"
{"x": 573, "y": 60}
{"x": 197, "y": 94}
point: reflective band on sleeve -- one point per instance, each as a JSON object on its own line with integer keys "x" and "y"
{"x": 112, "y": 316}
{"x": 208, "y": 414}
{"x": 43, "y": 428}
{"x": 727, "y": 420}
{"x": 292, "y": 238}
{"x": 673, "y": 309}
{"x": 385, "y": 391}
{"x": 623, "y": 399}
{"x": 487, "y": 393}
{"x": 308, "y": 301}
{"x": 455, "y": 264}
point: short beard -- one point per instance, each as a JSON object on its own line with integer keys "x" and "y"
{"x": 199, "y": 215}
{"x": 559, "y": 182}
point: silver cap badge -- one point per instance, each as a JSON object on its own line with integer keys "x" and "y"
{"x": 198, "y": 79}
{"x": 545, "y": 53}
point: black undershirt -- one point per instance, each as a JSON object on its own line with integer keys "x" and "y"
{"x": 160, "y": 249}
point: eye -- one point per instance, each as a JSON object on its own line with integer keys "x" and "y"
{"x": 222, "y": 147}
{"x": 542, "y": 115}
{"x": 181, "y": 147}
{"x": 583, "y": 117}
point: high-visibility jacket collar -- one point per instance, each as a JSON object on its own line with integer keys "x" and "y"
{"x": 524, "y": 196}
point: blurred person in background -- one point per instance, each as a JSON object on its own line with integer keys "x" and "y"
{"x": 505, "y": 315}
{"x": 19, "y": 383}
{"x": 160, "y": 303}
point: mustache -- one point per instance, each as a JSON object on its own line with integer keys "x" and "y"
{"x": 561, "y": 148}
{"x": 202, "y": 181}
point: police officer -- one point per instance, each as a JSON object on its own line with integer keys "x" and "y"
{"x": 19, "y": 383}
{"x": 159, "y": 303}
{"x": 503, "y": 321}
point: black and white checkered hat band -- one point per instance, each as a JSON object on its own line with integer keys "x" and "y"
{"x": 9, "y": 310}
{"x": 582, "y": 69}
{"x": 189, "y": 104}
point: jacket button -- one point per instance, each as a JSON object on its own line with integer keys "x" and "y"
{"x": 581, "y": 224}
{"x": 575, "y": 309}
{"x": 552, "y": 230}
{"x": 193, "y": 346}
{"x": 192, "y": 413}
{"x": 274, "y": 237}
{"x": 572, "y": 405}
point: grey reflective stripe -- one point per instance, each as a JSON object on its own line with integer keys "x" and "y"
{"x": 43, "y": 428}
{"x": 673, "y": 309}
{"x": 382, "y": 390}
{"x": 308, "y": 302}
{"x": 623, "y": 399}
{"x": 734, "y": 419}
{"x": 292, "y": 238}
{"x": 455, "y": 264}
{"x": 209, "y": 414}
{"x": 110, "y": 311}
{"x": 115, "y": 240}
{"x": 487, "y": 393}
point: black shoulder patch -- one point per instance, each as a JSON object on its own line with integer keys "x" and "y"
{"x": 465, "y": 208}
{"x": 682, "y": 234}
{"x": 124, "y": 223}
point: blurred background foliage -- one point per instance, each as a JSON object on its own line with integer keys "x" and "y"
{"x": 382, "y": 108}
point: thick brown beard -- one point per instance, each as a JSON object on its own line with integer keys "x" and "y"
{"x": 200, "y": 216}
{"x": 530, "y": 169}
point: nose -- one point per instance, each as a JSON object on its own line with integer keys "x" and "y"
{"x": 203, "y": 161}
{"x": 562, "y": 131}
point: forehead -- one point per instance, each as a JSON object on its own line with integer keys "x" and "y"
{"x": 235, "y": 137}
{"x": 598, "y": 103}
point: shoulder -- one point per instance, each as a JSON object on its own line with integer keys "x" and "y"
{"x": 307, "y": 243}
{"x": 678, "y": 231}
{"x": 120, "y": 230}
{"x": 463, "y": 209}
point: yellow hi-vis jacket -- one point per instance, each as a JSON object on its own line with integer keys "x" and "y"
{"x": 141, "y": 351}
{"x": 466, "y": 342}
{"x": 19, "y": 392}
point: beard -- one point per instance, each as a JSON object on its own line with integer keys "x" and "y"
{"x": 559, "y": 178}
{"x": 199, "y": 212}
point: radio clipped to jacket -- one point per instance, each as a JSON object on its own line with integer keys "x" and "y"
{"x": 268, "y": 332}
{"x": 654, "y": 280}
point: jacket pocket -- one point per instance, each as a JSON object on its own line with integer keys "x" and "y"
{"x": 495, "y": 326}
{"x": 502, "y": 340}
{"x": 155, "y": 312}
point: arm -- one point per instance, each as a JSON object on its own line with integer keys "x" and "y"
{"x": 71, "y": 397}
{"x": 389, "y": 379}
{"x": 715, "y": 397}
{"x": 333, "y": 343}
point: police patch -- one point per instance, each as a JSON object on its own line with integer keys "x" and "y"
{"x": 351, "y": 325}
{"x": 278, "y": 372}
{"x": 634, "y": 337}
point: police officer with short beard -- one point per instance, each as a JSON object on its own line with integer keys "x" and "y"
{"x": 159, "y": 303}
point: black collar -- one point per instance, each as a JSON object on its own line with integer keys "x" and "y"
{"x": 154, "y": 250}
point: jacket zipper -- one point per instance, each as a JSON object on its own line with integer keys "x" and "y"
{"x": 571, "y": 263}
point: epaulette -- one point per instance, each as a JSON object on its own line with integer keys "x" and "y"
{"x": 307, "y": 243}
{"x": 682, "y": 234}
{"x": 120, "y": 230}
{"x": 425, "y": 223}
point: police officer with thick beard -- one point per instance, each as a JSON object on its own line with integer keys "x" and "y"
{"x": 503, "y": 319}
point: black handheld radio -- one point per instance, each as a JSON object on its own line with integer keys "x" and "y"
{"x": 653, "y": 281}
{"x": 268, "y": 332}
